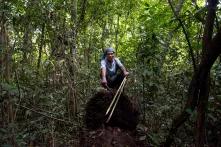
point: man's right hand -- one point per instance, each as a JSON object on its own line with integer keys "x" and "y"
{"x": 126, "y": 73}
{"x": 104, "y": 82}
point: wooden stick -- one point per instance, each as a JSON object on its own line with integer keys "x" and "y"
{"x": 115, "y": 96}
{"x": 117, "y": 99}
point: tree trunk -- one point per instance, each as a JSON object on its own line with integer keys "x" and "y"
{"x": 72, "y": 98}
{"x": 27, "y": 43}
{"x": 117, "y": 32}
{"x": 71, "y": 63}
{"x": 176, "y": 12}
{"x": 103, "y": 36}
{"x": 73, "y": 48}
{"x": 204, "y": 89}
{"x": 201, "y": 112}
{"x": 143, "y": 93}
{"x": 8, "y": 117}
{"x": 41, "y": 45}
{"x": 82, "y": 15}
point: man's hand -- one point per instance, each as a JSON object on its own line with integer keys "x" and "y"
{"x": 104, "y": 82}
{"x": 126, "y": 73}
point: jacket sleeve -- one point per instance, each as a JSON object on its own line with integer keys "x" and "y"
{"x": 119, "y": 62}
{"x": 103, "y": 64}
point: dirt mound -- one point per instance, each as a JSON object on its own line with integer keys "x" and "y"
{"x": 125, "y": 116}
{"x": 108, "y": 137}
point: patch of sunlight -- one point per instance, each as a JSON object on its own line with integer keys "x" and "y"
{"x": 201, "y": 3}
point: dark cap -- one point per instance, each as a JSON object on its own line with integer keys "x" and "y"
{"x": 107, "y": 50}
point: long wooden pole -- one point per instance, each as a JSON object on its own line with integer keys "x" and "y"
{"x": 117, "y": 97}
{"x": 118, "y": 90}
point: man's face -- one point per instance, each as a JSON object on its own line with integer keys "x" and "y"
{"x": 110, "y": 56}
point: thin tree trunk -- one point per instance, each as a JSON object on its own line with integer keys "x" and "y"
{"x": 72, "y": 98}
{"x": 73, "y": 48}
{"x": 41, "y": 45}
{"x": 201, "y": 113}
{"x": 71, "y": 64}
{"x": 185, "y": 34}
{"x": 8, "y": 117}
{"x": 103, "y": 36}
{"x": 117, "y": 32}
{"x": 81, "y": 18}
{"x": 143, "y": 93}
{"x": 27, "y": 43}
{"x": 204, "y": 89}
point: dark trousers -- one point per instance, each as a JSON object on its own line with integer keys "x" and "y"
{"x": 115, "y": 81}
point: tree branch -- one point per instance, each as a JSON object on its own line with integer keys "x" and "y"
{"x": 58, "y": 119}
{"x": 186, "y": 35}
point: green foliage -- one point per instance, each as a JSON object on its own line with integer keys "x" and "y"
{"x": 48, "y": 93}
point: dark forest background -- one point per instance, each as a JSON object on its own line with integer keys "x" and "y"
{"x": 50, "y": 53}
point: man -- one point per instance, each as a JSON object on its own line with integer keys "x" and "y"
{"x": 112, "y": 70}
